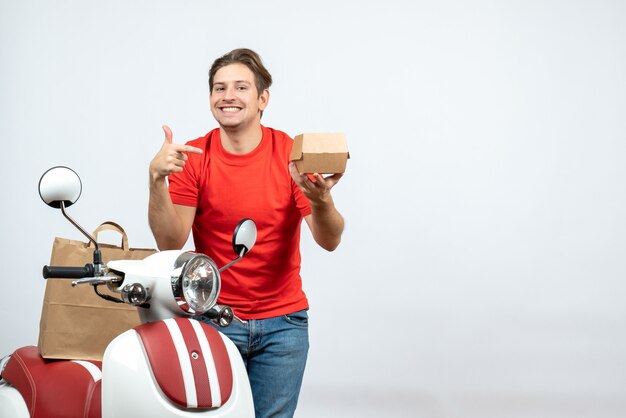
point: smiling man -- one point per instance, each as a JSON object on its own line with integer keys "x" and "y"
{"x": 242, "y": 170}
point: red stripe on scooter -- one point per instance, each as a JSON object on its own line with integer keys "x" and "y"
{"x": 200, "y": 375}
{"x": 163, "y": 358}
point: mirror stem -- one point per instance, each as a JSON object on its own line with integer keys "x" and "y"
{"x": 96, "y": 254}
{"x": 243, "y": 251}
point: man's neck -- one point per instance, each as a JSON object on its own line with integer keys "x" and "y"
{"x": 241, "y": 141}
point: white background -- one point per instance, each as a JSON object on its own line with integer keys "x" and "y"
{"x": 482, "y": 270}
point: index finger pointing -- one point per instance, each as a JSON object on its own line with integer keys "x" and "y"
{"x": 188, "y": 148}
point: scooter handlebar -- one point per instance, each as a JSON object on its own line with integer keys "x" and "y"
{"x": 61, "y": 272}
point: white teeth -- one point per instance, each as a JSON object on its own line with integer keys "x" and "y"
{"x": 230, "y": 109}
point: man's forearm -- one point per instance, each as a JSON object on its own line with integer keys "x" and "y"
{"x": 164, "y": 222}
{"x": 327, "y": 225}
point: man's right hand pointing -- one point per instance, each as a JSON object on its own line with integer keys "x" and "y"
{"x": 171, "y": 157}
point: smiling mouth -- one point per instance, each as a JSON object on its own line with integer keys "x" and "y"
{"x": 230, "y": 109}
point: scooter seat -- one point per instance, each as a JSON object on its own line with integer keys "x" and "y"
{"x": 55, "y": 388}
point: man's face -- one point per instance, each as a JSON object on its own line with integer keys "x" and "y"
{"x": 234, "y": 99}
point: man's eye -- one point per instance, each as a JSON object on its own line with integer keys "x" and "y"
{"x": 242, "y": 88}
{"x": 218, "y": 89}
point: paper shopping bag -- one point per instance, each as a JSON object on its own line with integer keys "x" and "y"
{"x": 76, "y": 323}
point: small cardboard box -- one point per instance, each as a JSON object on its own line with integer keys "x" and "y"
{"x": 321, "y": 153}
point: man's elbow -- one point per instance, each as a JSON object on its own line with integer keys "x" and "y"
{"x": 330, "y": 246}
{"x": 166, "y": 247}
{"x": 328, "y": 236}
{"x": 165, "y": 244}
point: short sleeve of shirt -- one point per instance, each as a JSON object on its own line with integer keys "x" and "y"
{"x": 302, "y": 203}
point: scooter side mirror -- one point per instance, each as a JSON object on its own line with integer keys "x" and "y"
{"x": 244, "y": 237}
{"x": 60, "y": 185}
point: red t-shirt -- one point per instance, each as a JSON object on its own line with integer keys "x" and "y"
{"x": 225, "y": 188}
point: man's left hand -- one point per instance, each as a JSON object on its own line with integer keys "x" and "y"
{"x": 315, "y": 187}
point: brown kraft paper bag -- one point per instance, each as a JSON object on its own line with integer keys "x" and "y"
{"x": 77, "y": 324}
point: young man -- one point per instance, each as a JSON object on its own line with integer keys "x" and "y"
{"x": 242, "y": 170}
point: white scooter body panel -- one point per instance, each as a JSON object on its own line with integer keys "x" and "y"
{"x": 129, "y": 388}
{"x": 11, "y": 402}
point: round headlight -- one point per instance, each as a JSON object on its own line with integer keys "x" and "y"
{"x": 197, "y": 286}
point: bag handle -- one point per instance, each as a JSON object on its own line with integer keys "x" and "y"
{"x": 111, "y": 226}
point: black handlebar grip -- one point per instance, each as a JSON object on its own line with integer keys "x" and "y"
{"x": 60, "y": 272}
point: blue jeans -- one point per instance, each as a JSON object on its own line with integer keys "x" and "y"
{"x": 275, "y": 352}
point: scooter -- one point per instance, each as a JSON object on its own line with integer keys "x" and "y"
{"x": 170, "y": 366}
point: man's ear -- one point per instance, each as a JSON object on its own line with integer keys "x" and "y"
{"x": 264, "y": 99}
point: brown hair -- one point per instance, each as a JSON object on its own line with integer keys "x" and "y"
{"x": 249, "y": 58}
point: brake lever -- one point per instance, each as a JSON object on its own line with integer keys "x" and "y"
{"x": 97, "y": 281}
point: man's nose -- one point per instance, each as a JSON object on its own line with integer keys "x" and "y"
{"x": 229, "y": 93}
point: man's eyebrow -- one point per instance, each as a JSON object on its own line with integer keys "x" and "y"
{"x": 236, "y": 81}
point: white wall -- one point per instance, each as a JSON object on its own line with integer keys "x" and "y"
{"x": 482, "y": 268}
